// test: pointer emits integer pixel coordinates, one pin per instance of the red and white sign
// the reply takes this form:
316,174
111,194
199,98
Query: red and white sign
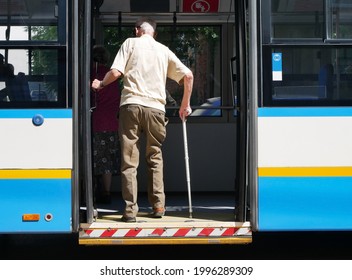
200,6
165,232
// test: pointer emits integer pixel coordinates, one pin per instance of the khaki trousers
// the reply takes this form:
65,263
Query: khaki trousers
135,120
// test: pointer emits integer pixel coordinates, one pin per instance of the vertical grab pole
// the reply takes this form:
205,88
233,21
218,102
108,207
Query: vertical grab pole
187,166
87,133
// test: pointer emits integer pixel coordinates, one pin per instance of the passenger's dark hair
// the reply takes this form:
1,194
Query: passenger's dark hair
100,54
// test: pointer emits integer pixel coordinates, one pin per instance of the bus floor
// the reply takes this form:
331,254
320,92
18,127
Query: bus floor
199,208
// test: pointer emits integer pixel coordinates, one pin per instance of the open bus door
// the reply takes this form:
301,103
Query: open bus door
101,226
241,191
36,133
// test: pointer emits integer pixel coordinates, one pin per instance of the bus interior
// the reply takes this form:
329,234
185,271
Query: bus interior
206,43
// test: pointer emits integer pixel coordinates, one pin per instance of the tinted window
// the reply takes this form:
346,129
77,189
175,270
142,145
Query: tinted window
297,19
311,74
26,18
32,70
339,20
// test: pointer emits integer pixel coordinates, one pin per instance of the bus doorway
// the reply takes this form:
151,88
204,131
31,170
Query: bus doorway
207,42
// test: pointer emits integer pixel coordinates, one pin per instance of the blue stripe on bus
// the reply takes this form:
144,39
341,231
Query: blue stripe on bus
24,113
35,196
305,112
291,203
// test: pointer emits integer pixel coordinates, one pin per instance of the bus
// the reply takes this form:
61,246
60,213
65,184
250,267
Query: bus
268,142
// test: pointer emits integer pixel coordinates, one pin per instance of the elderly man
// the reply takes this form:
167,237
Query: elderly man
145,64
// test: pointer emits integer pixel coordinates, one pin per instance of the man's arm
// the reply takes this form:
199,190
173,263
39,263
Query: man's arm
110,77
185,109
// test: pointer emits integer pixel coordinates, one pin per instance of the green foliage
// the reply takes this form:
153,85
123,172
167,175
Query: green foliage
45,62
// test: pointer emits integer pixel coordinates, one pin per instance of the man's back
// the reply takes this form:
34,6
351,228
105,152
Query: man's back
146,64
146,67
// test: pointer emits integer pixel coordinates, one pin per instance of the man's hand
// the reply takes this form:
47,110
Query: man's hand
96,84
184,112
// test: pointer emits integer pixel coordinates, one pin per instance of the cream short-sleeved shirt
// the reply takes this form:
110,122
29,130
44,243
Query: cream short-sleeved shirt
145,64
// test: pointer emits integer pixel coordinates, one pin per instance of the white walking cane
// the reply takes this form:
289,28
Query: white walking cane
187,166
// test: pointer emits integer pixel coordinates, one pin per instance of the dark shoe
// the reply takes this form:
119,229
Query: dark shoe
158,212
128,219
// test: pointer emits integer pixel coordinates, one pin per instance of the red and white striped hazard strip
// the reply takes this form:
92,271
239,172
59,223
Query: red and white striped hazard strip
165,232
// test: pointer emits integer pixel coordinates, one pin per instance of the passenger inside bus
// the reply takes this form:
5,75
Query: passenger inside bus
4,73
106,144
17,88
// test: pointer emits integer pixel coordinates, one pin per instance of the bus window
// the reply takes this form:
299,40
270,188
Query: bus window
314,69
297,19
310,76
24,19
34,79
34,54
339,21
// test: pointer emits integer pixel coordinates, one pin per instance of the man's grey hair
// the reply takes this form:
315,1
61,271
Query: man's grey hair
147,24
147,28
